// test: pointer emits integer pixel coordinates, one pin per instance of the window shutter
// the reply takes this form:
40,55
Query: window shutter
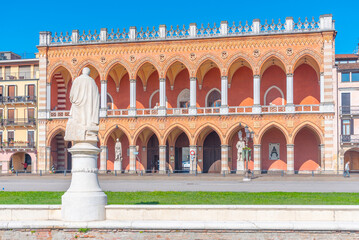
351,127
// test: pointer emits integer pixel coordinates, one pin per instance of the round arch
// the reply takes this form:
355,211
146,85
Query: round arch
271,125
272,58
111,130
88,63
151,128
311,126
208,93
53,133
203,127
113,63
268,90
181,127
53,69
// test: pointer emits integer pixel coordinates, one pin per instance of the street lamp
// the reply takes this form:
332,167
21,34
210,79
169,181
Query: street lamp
247,152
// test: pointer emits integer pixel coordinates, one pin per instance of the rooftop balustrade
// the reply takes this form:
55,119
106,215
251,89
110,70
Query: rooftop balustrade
223,29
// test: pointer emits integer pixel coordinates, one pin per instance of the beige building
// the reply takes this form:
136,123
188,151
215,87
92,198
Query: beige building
18,104
348,109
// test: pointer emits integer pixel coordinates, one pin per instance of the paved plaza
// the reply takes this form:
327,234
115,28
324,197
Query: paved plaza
208,182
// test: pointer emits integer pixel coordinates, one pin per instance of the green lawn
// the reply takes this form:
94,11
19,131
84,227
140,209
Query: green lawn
226,198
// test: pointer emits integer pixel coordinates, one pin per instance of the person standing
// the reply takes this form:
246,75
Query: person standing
25,166
346,170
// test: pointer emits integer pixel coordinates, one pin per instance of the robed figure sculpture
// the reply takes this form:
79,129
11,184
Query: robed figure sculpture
84,114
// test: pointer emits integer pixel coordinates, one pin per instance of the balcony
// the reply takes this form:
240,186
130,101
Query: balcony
349,110
17,99
17,145
349,139
18,122
237,110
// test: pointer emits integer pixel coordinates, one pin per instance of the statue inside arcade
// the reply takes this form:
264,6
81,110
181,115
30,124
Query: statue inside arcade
241,144
84,114
118,155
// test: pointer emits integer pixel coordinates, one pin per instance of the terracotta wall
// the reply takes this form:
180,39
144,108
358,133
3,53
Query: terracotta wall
273,135
306,151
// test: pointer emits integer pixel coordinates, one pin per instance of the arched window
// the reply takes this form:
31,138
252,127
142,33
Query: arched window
213,98
274,96
109,101
183,99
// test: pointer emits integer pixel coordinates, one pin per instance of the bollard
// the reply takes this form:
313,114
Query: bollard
64,172
252,174
282,174
195,173
141,173
168,174
312,173
115,172
16,172
224,174
40,173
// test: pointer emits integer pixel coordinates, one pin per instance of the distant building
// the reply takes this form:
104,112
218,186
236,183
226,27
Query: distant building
348,108
18,111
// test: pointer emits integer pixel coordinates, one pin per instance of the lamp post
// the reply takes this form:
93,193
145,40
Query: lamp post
247,152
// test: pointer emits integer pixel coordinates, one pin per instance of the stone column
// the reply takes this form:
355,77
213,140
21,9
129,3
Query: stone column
193,160
48,99
290,106
48,159
193,96
162,155
103,108
132,111
256,94
162,107
5,167
103,159
321,87
322,154
132,159
290,158
224,159
224,95
257,158
84,200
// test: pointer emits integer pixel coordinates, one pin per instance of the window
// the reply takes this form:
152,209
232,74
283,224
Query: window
30,139
355,77
11,93
10,138
31,115
8,73
30,92
345,103
24,72
345,77
11,116
1,138
36,71
1,93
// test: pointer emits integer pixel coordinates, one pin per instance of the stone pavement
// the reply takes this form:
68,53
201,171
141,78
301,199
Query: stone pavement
183,182
42,234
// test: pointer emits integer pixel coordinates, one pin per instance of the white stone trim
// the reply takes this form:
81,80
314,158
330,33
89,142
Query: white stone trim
209,92
152,95
270,88
181,96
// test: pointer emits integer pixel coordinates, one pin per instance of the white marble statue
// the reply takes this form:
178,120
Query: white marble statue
118,155
84,114
240,160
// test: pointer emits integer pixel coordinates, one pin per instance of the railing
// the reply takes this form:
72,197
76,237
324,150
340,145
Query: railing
240,110
18,122
60,114
17,99
177,111
117,112
307,108
350,138
192,31
208,111
147,112
17,145
273,109
349,110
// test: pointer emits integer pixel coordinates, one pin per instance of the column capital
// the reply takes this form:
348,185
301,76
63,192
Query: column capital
162,79
103,81
224,77
256,145
256,76
321,73
192,146
290,74
162,146
290,145
132,80
224,145
193,79
103,147
48,83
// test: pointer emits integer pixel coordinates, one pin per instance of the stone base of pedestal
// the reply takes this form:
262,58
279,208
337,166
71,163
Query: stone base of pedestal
240,172
117,166
84,206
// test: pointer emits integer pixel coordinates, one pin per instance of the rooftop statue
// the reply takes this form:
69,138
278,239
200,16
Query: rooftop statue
84,114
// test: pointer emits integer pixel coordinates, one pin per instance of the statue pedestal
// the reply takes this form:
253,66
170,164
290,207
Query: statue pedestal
117,166
84,200
240,167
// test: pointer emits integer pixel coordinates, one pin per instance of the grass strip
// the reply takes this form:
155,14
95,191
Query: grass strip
199,198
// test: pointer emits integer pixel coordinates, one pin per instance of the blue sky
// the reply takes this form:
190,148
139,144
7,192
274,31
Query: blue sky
21,21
